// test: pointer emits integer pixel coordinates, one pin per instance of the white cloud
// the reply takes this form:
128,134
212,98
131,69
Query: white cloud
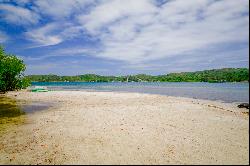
112,10
44,36
53,33
74,52
3,37
18,15
139,31
134,31
19,2
59,9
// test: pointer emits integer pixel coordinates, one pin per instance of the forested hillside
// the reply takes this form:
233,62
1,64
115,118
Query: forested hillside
215,75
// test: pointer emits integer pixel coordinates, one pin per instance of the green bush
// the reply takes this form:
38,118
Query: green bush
11,73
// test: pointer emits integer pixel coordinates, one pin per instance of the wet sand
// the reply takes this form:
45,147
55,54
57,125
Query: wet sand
127,128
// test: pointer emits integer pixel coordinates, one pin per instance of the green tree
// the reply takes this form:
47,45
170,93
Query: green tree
11,73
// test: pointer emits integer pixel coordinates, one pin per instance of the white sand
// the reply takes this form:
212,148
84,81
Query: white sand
127,128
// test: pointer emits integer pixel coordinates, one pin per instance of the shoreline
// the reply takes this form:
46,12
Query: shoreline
140,82
127,128
232,104
216,92
147,93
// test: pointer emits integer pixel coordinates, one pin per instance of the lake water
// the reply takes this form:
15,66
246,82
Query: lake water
226,92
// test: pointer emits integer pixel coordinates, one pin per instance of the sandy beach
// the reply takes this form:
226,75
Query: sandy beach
126,128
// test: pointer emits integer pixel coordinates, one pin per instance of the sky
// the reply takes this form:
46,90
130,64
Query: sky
120,37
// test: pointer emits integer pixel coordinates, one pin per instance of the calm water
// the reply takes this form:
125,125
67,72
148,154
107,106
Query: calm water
10,107
227,92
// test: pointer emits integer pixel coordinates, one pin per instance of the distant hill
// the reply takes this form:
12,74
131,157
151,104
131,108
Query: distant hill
215,75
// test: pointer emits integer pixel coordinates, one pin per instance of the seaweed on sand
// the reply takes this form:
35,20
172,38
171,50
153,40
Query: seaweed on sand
10,113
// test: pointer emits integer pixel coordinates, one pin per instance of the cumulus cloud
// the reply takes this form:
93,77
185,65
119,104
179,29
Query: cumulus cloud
18,15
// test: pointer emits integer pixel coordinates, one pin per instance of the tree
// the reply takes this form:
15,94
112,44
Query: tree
11,73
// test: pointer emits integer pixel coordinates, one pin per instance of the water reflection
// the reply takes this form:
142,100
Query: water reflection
9,108
35,107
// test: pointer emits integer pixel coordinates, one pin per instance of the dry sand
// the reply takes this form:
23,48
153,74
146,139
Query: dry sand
127,128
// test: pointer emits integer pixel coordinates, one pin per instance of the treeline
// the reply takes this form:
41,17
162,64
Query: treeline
215,75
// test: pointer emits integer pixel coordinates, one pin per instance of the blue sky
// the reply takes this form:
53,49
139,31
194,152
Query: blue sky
118,37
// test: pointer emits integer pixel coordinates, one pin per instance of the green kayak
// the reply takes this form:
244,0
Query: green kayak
39,90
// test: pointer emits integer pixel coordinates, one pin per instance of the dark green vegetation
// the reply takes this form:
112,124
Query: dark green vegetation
10,113
215,75
9,108
11,72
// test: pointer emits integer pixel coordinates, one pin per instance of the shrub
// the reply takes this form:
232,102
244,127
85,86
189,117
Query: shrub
11,72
